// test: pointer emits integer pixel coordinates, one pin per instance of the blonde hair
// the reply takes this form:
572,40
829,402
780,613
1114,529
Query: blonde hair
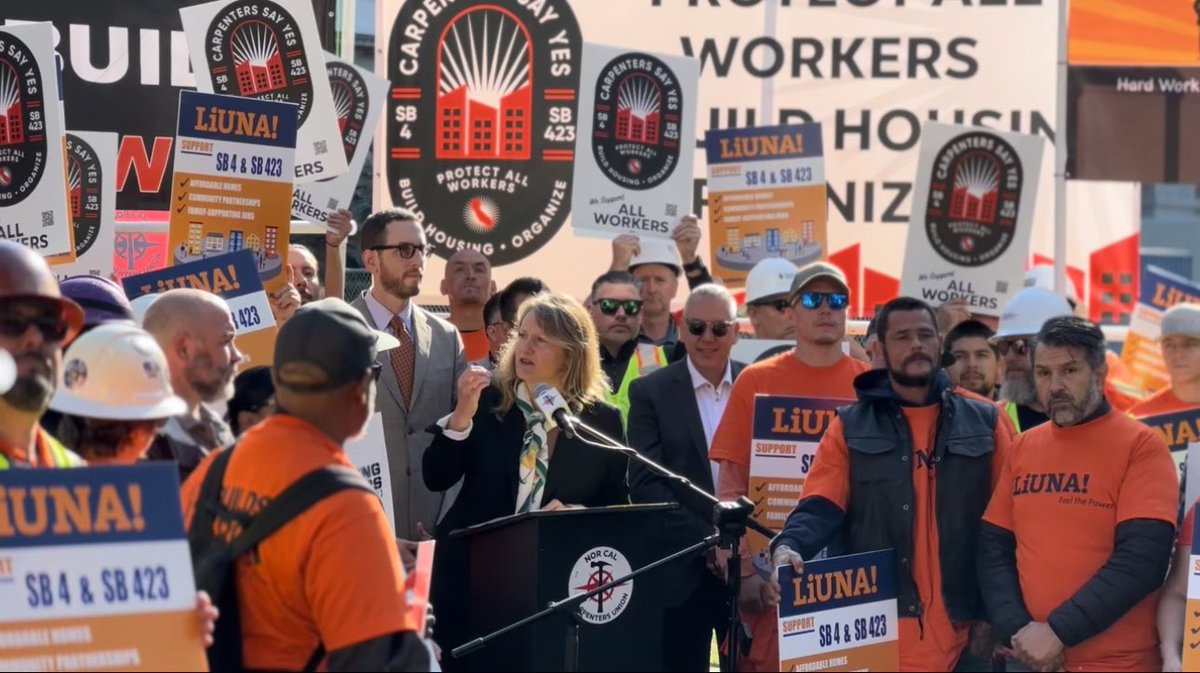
568,326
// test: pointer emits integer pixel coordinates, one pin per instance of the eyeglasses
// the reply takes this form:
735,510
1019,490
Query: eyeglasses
51,328
1018,346
609,306
780,305
812,300
719,328
407,250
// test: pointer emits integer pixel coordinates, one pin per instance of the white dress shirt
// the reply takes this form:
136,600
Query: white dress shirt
383,317
711,400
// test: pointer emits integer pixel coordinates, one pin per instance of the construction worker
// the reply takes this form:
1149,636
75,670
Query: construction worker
1021,319
768,289
615,304
1180,344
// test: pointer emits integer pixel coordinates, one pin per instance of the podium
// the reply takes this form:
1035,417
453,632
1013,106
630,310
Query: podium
519,564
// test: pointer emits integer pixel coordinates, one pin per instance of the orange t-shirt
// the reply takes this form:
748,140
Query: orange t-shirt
934,643
1162,402
1063,492
475,345
330,576
779,375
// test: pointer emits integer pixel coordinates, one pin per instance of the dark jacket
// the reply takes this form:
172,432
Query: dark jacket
879,512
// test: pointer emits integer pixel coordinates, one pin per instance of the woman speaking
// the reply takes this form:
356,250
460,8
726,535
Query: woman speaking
509,454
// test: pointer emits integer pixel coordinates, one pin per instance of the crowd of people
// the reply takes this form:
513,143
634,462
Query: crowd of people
1034,519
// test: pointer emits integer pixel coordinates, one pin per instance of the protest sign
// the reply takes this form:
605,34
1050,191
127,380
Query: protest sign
92,203
269,50
417,585
369,455
1159,291
785,436
358,98
95,571
1179,428
232,277
138,251
840,614
1191,623
33,198
971,224
633,147
232,185
766,197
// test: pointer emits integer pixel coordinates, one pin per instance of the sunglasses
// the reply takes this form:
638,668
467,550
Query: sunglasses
51,328
407,250
719,328
780,305
1018,346
812,300
609,306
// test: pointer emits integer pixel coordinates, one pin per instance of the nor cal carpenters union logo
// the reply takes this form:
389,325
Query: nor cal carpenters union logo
23,141
254,49
636,121
594,569
974,198
481,122
85,175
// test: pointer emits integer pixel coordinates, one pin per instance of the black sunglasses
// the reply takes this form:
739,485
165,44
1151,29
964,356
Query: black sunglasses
51,328
813,300
1018,346
610,306
407,250
719,327
780,305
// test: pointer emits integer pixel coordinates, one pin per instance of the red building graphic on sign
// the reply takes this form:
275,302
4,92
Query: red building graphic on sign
638,110
12,127
272,240
75,184
485,87
257,63
976,189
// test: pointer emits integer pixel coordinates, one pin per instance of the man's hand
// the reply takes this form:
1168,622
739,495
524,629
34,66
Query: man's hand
687,235
206,617
285,300
338,228
981,642
1038,647
624,248
756,594
950,314
784,555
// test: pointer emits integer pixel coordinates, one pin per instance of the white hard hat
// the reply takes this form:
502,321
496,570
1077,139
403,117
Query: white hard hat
140,306
8,372
657,251
1029,309
1042,275
116,372
770,277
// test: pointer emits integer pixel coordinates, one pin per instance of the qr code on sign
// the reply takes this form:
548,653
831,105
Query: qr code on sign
47,218
319,147
1002,286
672,210
332,205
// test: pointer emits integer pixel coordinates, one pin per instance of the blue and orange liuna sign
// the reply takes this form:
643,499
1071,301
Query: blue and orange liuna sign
95,571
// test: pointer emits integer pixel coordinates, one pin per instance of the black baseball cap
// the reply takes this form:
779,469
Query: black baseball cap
326,344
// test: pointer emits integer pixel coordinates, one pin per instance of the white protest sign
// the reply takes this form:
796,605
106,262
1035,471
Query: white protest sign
92,202
971,223
634,143
270,50
369,455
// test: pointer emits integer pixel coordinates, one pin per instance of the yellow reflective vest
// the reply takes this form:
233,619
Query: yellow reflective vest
62,455
646,359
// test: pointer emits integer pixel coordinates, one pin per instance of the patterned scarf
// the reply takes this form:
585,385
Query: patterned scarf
535,454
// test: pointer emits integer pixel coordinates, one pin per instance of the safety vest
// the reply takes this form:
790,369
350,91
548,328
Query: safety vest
62,455
646,359
1010,408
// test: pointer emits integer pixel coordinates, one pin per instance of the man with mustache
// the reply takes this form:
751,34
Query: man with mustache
195,330
35,322
615,304
974,361
1022,317
909,467
1092,497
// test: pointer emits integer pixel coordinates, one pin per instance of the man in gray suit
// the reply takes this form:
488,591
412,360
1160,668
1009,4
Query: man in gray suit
418,377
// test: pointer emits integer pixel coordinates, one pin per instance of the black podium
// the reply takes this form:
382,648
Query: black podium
520,563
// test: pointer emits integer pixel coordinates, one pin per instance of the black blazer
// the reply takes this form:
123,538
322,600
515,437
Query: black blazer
487,462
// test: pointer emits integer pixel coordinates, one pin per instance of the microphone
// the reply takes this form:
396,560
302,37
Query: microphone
550,401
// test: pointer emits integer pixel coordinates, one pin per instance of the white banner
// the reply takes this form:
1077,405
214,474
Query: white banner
358,98
369,455
92,200
270,50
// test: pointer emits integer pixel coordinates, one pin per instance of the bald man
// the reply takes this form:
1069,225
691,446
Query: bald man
35,322
195,330
467,286
306,271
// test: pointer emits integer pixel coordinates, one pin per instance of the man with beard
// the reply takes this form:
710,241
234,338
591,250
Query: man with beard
974,361
467,286
35,321
419,376
1022,318
1092,497
306,273
616,307
909,467
195,330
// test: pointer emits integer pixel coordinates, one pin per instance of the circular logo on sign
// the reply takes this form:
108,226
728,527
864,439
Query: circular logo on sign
350,103
481,124
974,198
595,568
254,49
84,177
74,374
23,142
636,124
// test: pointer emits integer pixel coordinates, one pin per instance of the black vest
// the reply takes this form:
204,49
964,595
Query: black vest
880,510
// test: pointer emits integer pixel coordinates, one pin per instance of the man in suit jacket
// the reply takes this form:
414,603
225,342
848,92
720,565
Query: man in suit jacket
673,415
418,378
